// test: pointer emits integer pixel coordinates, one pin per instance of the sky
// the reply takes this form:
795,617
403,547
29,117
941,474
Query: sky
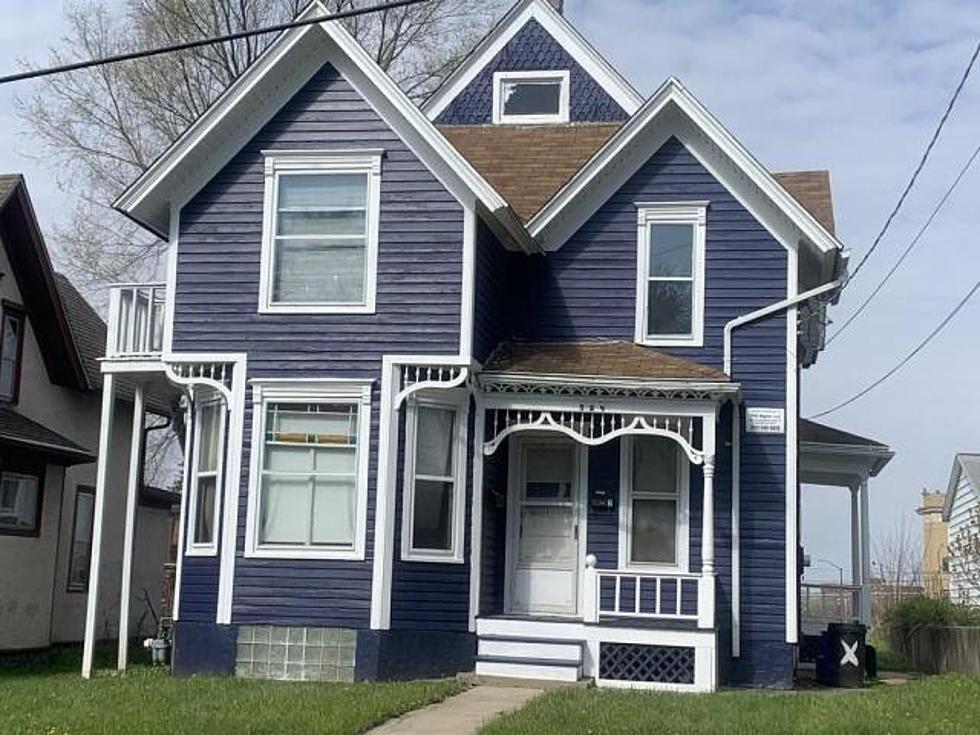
853,87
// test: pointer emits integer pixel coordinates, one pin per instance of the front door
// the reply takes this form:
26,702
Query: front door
543,519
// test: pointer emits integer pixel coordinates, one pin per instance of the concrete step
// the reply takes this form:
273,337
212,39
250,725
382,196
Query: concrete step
520,668
531,648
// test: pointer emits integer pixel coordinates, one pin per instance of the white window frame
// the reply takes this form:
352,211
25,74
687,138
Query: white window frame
683,523
277,163
211,548
670,213
456,401
308,391
502,77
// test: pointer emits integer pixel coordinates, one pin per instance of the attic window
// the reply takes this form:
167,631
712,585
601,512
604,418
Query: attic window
530,97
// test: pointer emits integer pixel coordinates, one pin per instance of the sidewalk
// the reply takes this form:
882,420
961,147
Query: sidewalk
460,715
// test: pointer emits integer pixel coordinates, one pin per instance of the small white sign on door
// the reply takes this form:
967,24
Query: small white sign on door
765,421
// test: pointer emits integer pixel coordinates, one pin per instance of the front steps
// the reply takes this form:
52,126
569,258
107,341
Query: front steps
506,650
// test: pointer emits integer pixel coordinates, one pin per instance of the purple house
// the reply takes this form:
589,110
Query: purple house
505,383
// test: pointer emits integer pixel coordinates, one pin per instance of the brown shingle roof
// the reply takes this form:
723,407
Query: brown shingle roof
600,358
528,164
812,190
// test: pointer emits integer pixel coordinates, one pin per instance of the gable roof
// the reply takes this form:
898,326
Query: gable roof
673,111
23,433
812,190
967,463
252,99
28,256
561,30
87,328
811,432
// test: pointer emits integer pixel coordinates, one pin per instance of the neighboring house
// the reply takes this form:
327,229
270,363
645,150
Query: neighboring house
49,427
935,544
962,516
509,382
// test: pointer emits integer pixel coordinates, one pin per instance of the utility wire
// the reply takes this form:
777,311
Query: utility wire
907,358
37,73
919,167
911,246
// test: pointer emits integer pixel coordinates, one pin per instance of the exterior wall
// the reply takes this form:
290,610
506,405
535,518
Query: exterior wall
418,311
499,291
533,49
35,607
964,502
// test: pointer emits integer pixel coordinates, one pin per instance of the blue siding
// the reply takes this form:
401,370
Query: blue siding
533,49
603,525
499,275
493,560
419,296
198,589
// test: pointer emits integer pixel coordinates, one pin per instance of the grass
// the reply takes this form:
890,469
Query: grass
888,659
52,699
941,704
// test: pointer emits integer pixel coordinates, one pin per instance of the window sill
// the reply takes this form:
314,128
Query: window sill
201,551
302,552
533,120
417,557
314,309
667,570
696,341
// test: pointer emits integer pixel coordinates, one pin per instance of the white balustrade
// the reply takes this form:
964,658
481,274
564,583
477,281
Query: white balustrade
618,593
136,320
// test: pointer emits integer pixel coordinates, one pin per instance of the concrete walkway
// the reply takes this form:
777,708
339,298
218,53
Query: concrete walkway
460,715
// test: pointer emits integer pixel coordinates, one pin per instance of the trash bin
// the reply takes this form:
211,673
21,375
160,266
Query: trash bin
841,660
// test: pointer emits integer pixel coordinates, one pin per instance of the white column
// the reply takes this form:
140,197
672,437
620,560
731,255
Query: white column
736,530
708,517
476,511
590,585
855,537
132,496
865,555
189,428
105,430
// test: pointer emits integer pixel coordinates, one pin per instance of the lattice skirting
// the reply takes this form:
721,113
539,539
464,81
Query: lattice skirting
647,664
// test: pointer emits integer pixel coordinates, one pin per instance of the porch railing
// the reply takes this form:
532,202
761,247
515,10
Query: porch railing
823,603
617,593
136,314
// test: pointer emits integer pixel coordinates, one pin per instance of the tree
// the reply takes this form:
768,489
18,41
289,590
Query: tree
897,565
100,128
964,560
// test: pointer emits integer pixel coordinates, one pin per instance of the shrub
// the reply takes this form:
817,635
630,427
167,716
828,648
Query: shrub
917,611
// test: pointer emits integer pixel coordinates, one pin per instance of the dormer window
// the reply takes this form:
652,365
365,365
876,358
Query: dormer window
530,97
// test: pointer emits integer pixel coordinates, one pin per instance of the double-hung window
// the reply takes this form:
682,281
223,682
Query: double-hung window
530,97
320,242
11,352
654,507
205,500
81,539
433,499
20,503
670,274
308,494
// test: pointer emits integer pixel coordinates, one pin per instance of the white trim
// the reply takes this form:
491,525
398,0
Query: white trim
170,294
312,391
467,306
682,564
455,554
638,135
312,162
476,511
736,529
206,549
129,529
558,28
792,458
560,77
649,214
185,481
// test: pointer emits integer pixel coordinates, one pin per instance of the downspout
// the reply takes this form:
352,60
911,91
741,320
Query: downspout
769,311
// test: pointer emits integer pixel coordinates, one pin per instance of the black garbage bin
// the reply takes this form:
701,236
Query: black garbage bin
841,659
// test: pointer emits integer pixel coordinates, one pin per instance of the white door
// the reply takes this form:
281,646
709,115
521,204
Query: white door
544,528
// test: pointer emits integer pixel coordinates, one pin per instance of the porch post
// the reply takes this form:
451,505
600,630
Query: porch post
132,493
95,564
865,616
706,585
590,584
856,579
476,511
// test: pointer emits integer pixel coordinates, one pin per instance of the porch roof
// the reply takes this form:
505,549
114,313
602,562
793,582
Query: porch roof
831,456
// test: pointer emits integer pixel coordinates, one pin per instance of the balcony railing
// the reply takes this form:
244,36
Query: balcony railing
616,593
821,604
136,314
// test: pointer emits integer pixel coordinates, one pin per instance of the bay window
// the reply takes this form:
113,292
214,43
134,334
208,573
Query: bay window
308,492
670,274
433,489
654,503
321,232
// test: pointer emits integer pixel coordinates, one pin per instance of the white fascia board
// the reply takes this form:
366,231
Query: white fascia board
672,94
954,483
584,53
214,138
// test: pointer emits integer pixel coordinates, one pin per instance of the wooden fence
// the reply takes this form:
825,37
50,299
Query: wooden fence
936,649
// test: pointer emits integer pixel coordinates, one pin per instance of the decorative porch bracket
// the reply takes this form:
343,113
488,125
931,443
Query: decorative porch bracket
592,428
219,376
415,378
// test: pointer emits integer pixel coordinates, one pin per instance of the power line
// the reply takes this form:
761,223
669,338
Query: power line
37,73
907,358
919,167
915,240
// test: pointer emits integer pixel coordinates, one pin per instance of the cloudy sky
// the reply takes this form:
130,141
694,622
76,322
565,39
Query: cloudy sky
856,87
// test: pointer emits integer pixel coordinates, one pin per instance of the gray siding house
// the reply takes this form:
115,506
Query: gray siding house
50,417
507,382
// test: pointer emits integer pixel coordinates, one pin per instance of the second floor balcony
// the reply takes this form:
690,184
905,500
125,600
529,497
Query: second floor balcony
136,321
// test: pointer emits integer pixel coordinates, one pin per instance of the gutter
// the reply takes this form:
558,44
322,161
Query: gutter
770,310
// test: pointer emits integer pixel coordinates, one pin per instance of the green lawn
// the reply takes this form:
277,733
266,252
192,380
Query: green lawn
940,704
54,700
